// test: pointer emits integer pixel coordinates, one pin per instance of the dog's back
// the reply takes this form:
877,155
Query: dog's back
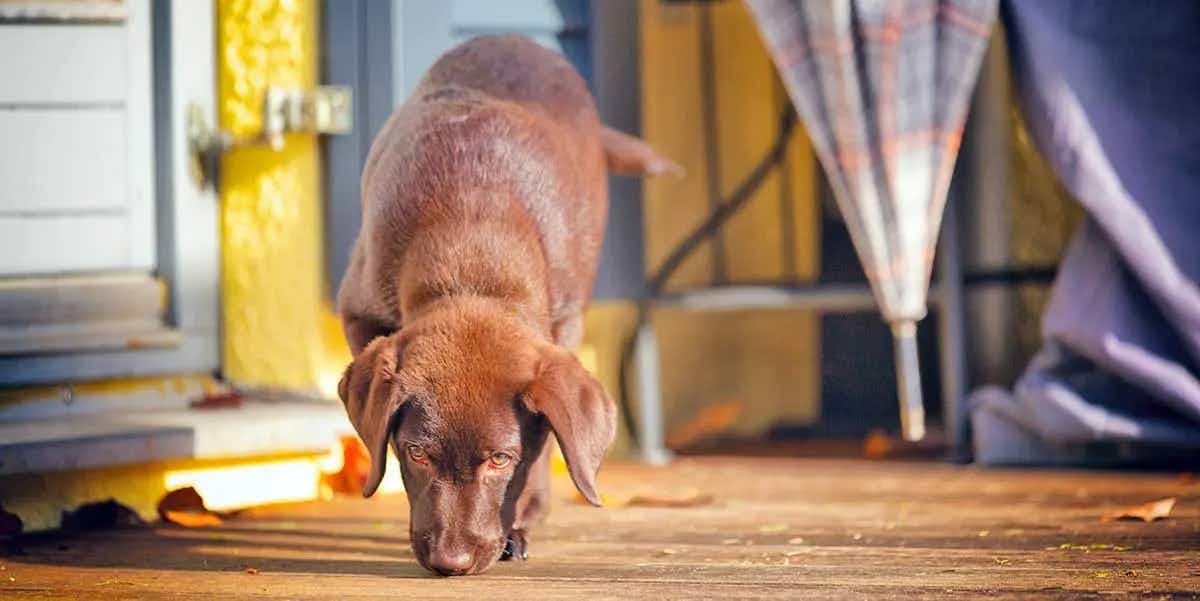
499,130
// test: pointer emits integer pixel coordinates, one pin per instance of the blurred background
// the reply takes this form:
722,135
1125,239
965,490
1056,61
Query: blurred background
179,196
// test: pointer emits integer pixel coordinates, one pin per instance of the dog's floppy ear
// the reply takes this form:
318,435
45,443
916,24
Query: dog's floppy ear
373,397
581,415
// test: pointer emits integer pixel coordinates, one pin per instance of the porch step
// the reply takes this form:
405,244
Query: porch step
256,428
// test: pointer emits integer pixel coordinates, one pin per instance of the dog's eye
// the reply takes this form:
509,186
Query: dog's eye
417,454
500,460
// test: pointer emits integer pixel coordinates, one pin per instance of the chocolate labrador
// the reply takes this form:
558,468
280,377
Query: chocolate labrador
483,208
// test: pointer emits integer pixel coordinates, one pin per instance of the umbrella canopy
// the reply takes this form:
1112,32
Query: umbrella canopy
883,88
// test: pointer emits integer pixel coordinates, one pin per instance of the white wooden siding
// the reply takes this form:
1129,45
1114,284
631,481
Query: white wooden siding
62,64
37,245
76,146
85,147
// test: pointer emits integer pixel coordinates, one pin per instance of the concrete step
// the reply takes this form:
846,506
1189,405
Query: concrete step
255,428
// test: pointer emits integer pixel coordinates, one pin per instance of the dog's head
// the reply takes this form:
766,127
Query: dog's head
467,403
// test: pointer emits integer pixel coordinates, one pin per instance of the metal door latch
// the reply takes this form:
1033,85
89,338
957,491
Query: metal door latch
321,110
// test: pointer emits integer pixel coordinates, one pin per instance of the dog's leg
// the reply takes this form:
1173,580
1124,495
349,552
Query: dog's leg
532,505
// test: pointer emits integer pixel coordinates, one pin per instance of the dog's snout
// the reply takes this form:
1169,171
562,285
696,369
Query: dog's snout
451,562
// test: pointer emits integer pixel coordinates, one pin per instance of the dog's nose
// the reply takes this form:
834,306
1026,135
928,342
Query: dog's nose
451,563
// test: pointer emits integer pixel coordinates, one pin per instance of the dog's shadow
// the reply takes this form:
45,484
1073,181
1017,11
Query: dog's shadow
301,549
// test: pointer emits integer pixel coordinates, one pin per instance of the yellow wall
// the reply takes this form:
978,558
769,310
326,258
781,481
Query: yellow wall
766,360
278,329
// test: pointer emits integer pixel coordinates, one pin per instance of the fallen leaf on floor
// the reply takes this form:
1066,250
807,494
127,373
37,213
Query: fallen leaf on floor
876,444
1147,512
251,570
1101,574
772,528
188,519
101,515
185,507
686,498
709,421
1002,561
10,523
356,463
677,499
218,399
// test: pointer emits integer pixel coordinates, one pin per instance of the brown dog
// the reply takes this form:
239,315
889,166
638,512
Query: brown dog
484,199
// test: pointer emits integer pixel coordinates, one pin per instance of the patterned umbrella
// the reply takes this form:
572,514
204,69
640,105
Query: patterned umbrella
883,87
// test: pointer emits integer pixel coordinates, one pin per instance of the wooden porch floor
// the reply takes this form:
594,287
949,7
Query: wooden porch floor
777,528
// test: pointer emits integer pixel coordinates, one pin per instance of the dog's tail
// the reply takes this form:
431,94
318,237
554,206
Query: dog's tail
627,155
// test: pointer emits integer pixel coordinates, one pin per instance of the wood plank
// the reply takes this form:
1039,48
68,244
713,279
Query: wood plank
747,119
779,528
62,64
49,245
672,121
63,162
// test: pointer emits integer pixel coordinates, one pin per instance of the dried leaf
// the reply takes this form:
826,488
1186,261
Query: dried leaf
222,399
676,499
251,570
185,507
10,523
189,519
99,516
356,464
1147,512
876,444
691,498
711,420
606,499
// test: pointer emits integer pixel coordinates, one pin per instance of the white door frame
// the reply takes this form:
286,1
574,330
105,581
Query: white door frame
187,241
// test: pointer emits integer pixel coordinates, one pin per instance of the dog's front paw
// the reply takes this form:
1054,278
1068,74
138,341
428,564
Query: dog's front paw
515,547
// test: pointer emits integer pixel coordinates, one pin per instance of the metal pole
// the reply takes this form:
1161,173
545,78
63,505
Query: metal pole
650,433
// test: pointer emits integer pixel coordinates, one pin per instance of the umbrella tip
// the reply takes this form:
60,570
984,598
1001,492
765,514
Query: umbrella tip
908,379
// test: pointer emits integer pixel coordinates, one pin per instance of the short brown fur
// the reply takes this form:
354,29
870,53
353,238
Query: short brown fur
484,200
